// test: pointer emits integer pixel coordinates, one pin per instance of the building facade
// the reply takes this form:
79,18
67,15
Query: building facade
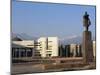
75,50
47,47
67,49
43,47
22,49
71,50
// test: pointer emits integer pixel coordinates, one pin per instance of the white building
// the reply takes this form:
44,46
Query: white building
52,46
73,49
47,47
25,43
42,46
22,49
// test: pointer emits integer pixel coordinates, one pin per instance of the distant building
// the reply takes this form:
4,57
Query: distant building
52,48
41,47
62,51
22,49
44,47
67,50
47,47
79,51
75,50
71,50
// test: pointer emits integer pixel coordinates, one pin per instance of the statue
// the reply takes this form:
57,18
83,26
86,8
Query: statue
86,21
87,48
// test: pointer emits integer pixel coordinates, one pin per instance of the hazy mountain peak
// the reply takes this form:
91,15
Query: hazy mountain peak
23,36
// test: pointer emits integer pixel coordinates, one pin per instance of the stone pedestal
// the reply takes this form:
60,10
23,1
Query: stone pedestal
87,47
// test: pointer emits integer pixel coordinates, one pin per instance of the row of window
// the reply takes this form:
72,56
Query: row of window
21,53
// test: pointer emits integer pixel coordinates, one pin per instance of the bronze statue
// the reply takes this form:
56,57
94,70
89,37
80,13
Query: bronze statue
86,21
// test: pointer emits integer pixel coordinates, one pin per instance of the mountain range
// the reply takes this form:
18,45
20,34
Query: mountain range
72,40
24,36
67,40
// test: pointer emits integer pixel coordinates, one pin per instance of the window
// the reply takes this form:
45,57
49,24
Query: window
29,52
16,53
49,41
23,53
30,45
50,47
48,55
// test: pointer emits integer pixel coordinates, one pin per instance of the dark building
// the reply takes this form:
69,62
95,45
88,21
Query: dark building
19,51
64,51
78,51
61,51
67,49
72,50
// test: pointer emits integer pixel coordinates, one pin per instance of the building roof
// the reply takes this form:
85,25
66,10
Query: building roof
17,46
25,43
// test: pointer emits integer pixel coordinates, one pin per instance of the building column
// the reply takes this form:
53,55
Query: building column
19,51
26,53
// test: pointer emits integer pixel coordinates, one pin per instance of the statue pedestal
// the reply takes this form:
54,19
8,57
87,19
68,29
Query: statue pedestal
87,47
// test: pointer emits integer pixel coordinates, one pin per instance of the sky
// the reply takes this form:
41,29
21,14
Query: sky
50,19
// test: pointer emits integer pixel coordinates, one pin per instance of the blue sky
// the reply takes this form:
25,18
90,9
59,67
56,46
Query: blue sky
49,19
